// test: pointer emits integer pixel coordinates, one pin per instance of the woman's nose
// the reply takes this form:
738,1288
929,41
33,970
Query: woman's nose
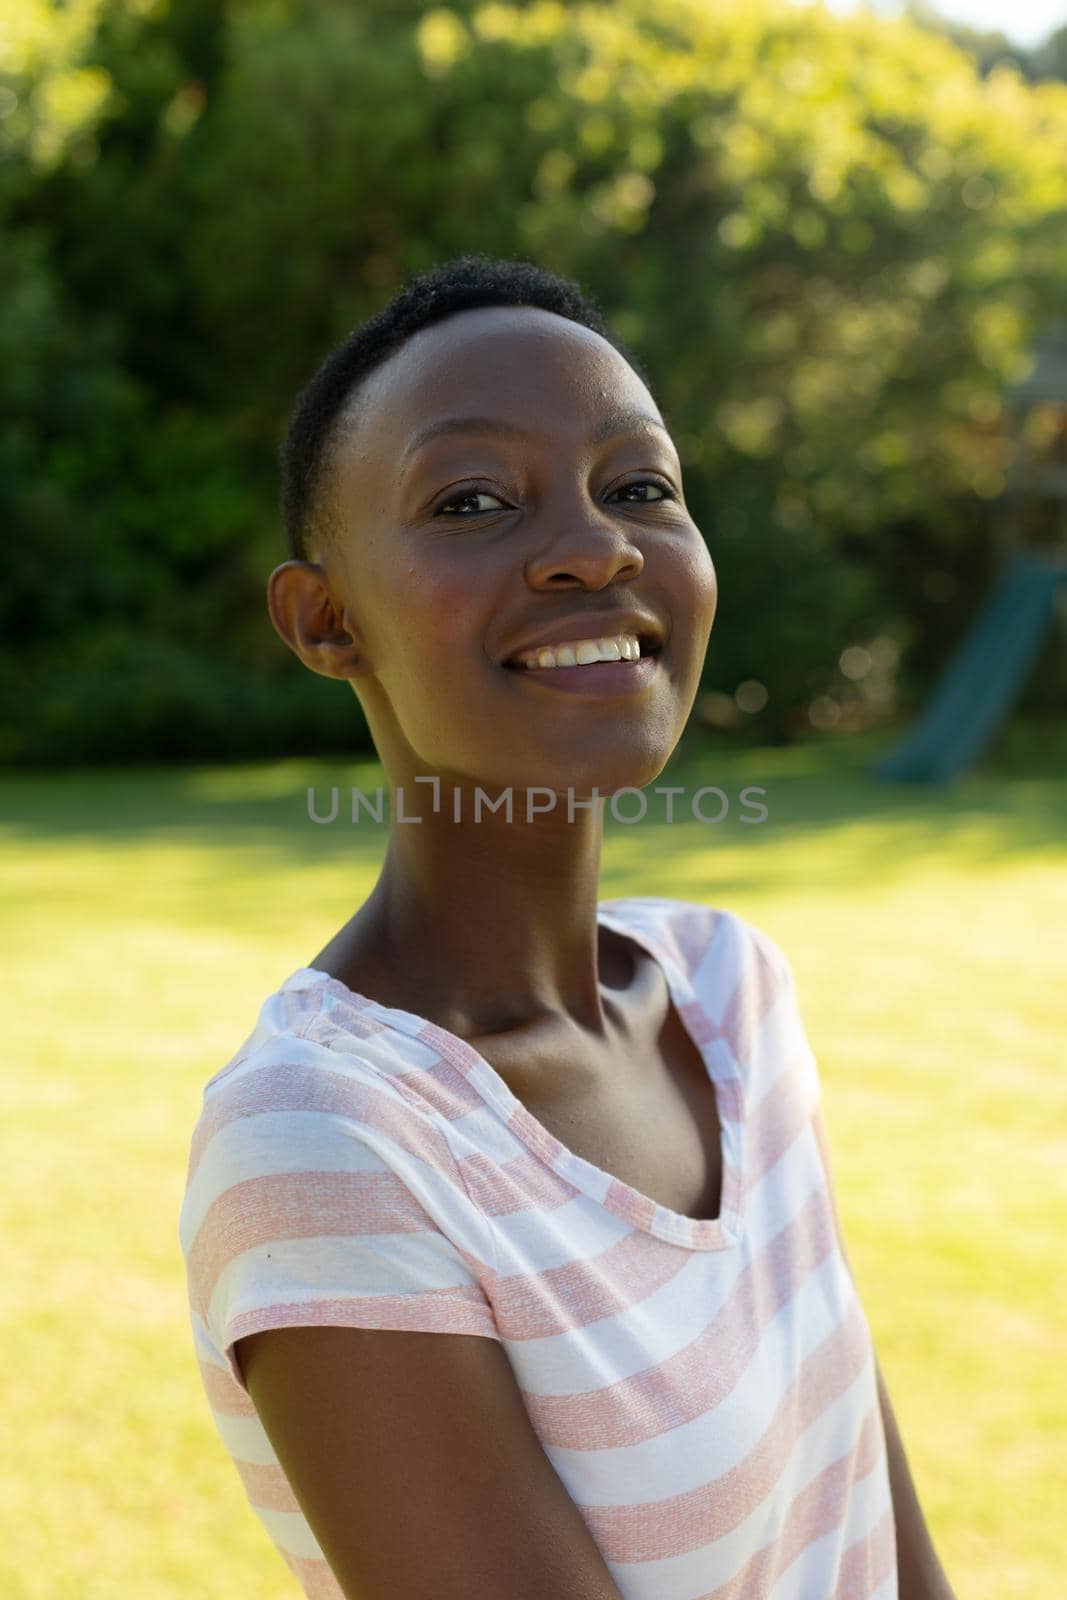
586,552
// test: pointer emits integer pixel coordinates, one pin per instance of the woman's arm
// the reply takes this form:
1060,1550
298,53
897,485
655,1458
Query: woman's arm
920,1575
415,1463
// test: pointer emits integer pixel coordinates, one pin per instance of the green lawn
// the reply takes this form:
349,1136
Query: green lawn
150,912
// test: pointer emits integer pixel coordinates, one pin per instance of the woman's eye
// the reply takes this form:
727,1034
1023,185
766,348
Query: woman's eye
445,506
648,483
469,494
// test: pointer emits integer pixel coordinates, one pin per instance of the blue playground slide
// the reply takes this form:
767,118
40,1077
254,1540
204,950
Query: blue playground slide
983,679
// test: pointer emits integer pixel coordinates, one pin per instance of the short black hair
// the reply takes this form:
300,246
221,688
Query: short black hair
466,281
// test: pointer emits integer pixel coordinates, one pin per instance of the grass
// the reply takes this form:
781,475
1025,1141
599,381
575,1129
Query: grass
150,912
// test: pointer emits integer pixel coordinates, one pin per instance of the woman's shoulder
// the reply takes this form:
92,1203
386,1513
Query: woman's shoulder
282,1018
318,1048
317,1089
699,936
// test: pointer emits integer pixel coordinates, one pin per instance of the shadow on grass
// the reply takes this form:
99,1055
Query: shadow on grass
818,792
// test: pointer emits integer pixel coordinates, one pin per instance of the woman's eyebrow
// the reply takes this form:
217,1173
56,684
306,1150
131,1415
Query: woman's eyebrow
619,422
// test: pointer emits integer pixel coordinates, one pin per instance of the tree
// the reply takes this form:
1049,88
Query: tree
830,240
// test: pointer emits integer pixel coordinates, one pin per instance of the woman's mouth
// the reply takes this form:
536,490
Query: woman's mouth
617,664
580,653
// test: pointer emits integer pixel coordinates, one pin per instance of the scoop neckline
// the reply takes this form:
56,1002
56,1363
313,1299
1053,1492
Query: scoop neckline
620,1198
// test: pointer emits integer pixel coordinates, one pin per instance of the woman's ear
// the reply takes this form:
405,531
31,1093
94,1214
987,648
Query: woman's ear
315,626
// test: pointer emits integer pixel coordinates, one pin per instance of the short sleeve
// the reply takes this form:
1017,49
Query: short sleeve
318,1195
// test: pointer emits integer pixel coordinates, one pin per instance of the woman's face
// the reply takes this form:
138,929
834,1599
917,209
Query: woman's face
558,522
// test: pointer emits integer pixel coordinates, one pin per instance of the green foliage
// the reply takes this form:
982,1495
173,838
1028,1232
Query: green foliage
831,240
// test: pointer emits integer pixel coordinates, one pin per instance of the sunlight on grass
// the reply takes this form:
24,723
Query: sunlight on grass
150,913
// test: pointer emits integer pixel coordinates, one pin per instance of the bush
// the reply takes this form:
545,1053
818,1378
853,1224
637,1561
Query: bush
829,239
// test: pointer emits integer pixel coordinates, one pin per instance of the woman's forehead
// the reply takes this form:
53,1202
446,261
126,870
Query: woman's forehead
513,366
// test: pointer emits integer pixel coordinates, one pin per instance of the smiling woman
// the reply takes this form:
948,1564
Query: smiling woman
513,1262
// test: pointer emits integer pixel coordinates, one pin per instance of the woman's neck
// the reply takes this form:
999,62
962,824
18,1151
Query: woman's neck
485,925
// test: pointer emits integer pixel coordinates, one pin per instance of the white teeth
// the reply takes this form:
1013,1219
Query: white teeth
582,652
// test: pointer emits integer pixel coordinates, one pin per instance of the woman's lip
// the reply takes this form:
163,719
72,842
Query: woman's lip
598,678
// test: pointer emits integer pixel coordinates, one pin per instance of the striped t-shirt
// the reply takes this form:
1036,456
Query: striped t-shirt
705,1390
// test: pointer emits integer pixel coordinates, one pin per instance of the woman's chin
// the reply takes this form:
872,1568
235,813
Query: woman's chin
580,779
